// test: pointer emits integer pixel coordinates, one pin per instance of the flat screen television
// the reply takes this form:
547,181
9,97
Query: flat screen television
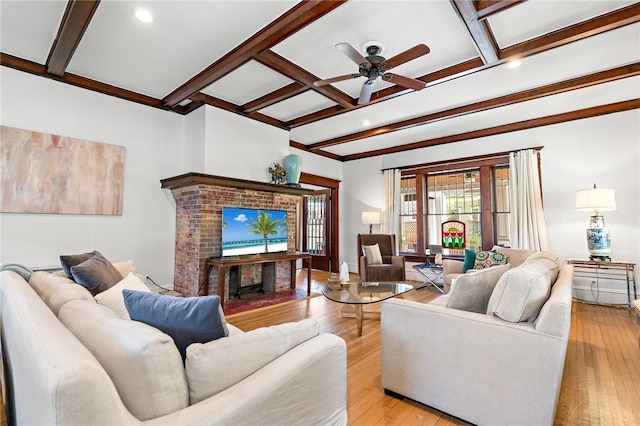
253,231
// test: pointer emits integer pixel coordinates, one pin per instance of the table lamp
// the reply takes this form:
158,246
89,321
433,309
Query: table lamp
371,218
598,239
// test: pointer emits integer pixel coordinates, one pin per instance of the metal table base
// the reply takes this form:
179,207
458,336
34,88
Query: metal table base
432,272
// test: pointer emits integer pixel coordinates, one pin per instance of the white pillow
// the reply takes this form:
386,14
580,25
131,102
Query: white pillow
214,366
471,291
521,292
113,298
373,255
124,267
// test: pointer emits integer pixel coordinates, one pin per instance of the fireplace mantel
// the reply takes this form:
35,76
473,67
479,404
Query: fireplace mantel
192,178
200,199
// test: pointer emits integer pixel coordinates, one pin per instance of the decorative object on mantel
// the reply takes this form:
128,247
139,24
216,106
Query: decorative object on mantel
293,165
598,238
43,173
371,218
278,174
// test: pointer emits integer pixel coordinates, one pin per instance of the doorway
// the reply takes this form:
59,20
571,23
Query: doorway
320,222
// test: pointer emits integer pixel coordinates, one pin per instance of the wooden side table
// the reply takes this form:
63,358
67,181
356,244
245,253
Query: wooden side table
609,270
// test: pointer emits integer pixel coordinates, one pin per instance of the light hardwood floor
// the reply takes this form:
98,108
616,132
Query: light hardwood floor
600,386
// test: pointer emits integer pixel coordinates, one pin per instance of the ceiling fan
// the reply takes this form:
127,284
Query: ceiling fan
373,66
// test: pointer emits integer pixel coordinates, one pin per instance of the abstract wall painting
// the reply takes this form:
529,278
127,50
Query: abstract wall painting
43,173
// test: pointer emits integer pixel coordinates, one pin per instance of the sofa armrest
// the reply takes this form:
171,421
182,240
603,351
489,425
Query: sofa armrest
399,261
488,371
280,392
362,271
452,266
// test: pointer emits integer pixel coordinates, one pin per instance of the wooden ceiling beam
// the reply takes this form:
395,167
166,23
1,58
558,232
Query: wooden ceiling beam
75,21
79,81
274,97
228,106
478,29
294,72
506,128
607,22
487,8
601,77
296,18
303,147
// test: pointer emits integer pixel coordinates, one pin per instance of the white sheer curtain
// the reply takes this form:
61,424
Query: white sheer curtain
390,215
528,228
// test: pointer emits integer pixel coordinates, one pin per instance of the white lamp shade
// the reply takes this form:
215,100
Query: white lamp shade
596,199
371,218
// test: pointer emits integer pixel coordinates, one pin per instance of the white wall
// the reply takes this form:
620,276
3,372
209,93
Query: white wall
241,148
145,232
603,150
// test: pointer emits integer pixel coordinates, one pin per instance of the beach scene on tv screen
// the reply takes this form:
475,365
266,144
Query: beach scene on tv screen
253,231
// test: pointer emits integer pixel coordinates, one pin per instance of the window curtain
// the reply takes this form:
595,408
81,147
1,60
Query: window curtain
528,228
390,215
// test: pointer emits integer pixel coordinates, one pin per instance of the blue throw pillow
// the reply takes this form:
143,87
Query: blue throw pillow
187,320
469,259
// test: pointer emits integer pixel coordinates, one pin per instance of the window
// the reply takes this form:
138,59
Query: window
473,191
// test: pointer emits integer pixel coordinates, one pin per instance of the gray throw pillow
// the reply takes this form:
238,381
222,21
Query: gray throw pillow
69,260
471,291
187,320
96,274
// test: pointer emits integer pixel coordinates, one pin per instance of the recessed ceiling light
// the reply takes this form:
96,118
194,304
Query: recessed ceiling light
514,63
365,123
143,16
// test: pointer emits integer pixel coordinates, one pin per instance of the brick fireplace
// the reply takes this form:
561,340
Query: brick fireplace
199,200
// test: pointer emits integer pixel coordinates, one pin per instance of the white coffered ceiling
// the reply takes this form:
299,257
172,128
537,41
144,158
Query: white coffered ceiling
260,58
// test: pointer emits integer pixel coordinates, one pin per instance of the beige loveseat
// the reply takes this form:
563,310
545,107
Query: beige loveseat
479,366
70,361
453,268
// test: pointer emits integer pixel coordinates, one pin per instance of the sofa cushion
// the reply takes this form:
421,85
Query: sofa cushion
521,292
143,362
56,290
125,267
373,255
471,291
113,298
97,274
214,366
514,256
487,259
187,320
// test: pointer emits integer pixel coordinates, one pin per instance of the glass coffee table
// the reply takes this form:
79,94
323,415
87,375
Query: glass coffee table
357,294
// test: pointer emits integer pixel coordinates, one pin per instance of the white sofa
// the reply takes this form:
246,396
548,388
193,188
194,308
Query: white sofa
50,377
477,366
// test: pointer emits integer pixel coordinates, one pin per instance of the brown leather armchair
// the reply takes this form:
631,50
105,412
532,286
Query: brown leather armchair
392,267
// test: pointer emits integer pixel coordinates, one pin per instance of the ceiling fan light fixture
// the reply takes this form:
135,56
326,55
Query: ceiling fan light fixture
143,16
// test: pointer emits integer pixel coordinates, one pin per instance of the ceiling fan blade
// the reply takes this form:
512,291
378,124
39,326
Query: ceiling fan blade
353,54
407,55
365,93
335,79
410,83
